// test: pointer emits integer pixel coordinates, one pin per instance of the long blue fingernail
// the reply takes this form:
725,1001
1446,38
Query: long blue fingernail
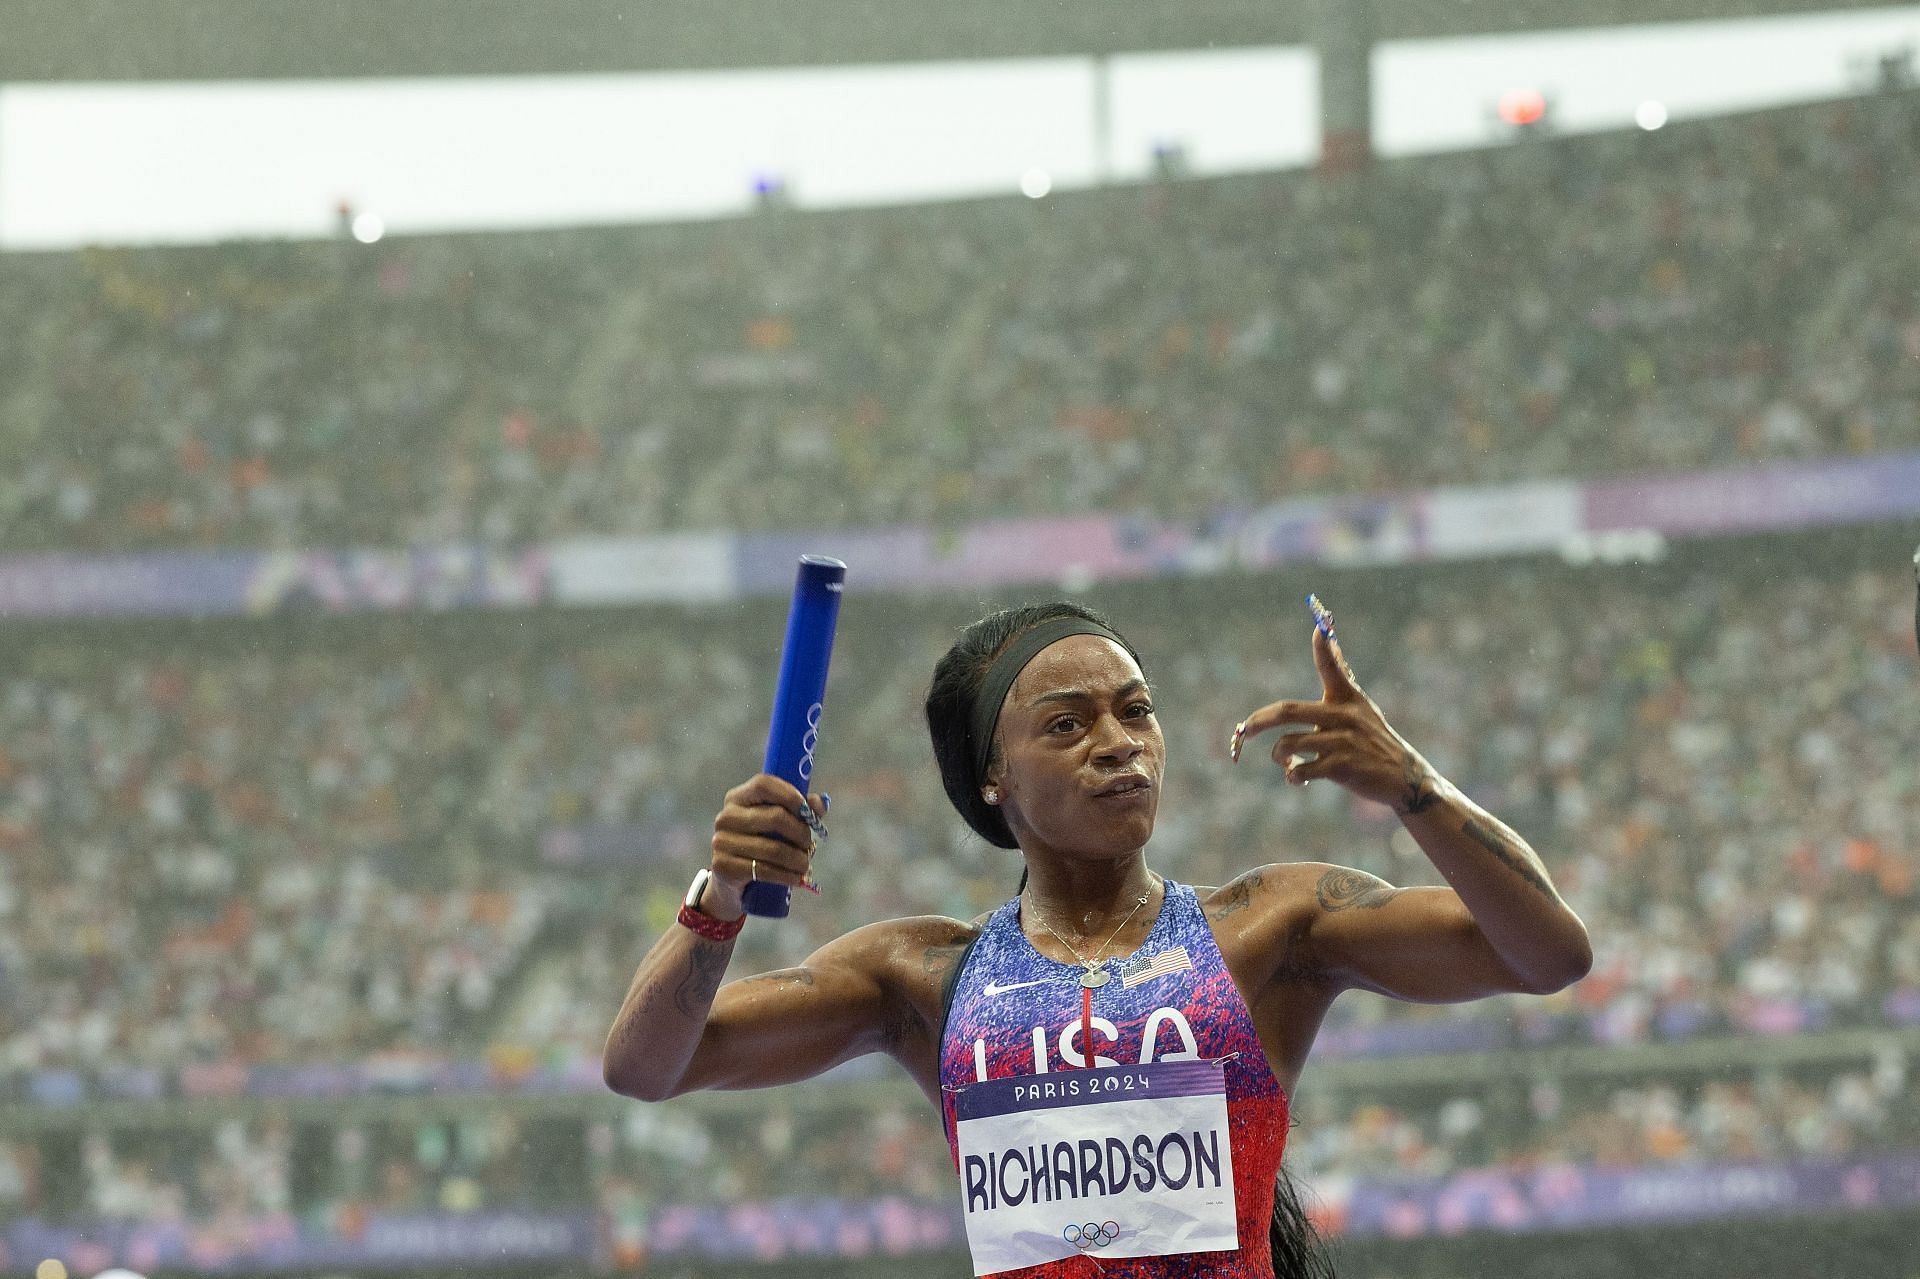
826,802
812,819
1322,615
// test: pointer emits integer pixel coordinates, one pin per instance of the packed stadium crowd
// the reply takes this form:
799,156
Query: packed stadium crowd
220,856
1722,290
247,859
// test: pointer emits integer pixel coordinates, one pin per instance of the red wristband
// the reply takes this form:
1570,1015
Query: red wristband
710,928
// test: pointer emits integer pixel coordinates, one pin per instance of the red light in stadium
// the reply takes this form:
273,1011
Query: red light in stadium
1521,107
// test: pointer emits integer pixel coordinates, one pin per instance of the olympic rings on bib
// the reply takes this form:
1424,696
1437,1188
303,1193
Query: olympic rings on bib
1094,1234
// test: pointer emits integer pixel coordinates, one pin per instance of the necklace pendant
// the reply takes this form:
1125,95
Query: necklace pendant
1095,978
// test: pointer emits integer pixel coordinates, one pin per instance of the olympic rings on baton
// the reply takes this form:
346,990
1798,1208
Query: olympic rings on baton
1094,1234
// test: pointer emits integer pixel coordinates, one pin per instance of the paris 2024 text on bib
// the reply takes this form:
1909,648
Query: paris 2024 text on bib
1127,1161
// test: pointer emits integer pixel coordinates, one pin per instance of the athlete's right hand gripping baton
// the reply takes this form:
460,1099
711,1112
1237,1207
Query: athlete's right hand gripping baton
800,697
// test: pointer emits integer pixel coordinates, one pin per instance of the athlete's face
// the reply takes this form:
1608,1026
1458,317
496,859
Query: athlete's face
1081,754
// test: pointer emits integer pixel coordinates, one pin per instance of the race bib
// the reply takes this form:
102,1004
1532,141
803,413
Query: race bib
1125,1161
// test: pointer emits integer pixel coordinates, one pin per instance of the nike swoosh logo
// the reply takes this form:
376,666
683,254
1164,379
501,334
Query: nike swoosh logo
991,990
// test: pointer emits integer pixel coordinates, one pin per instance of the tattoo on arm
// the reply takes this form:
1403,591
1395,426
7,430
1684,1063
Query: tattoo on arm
1341,889
938,961
941,966
1237,896
1295,964
1420,794
903,1020
1513,854
705,966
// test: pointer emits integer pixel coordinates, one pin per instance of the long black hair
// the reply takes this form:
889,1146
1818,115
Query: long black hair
1298,1250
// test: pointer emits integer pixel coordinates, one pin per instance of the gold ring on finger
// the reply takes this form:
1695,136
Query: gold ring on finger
753,870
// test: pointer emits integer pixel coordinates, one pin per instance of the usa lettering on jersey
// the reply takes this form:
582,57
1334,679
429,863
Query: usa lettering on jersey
1166,1035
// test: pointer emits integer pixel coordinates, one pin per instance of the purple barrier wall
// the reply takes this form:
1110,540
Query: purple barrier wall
1067,550
1550,1198
784,1229
1786,495
182,583
249,583
789,1228
270,1243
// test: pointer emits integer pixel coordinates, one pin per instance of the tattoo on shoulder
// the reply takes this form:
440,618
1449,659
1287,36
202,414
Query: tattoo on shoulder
937,961
1420,793
1236,897
904,1020
1514,855
706,965
1342,889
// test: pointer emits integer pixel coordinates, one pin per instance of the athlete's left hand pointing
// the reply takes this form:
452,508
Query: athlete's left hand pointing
1349,741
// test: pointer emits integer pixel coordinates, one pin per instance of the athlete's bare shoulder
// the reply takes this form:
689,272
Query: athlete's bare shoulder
1282,886
910,960
914,954
1260,916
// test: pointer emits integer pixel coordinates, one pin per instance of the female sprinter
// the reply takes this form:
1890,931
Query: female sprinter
1044,729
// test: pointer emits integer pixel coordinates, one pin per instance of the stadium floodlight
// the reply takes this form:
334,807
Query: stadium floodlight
1035,183
1650,115
368,228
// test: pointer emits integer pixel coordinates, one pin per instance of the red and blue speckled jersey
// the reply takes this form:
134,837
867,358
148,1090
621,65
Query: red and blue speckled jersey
1013,1011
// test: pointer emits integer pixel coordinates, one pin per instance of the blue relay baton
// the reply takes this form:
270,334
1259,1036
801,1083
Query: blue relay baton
800,697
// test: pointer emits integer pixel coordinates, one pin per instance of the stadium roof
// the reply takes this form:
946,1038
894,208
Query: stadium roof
283,39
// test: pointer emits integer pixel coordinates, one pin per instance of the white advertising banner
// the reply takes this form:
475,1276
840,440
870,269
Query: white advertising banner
1513,519
671,567
1125,1161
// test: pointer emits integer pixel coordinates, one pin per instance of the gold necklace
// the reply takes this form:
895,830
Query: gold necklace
1095,976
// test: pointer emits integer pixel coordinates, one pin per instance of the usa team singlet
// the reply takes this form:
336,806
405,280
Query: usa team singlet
1013,1012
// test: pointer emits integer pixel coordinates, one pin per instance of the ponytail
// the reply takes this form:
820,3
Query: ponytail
1298,1250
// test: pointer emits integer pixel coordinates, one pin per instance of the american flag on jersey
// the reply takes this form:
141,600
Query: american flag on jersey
1147,968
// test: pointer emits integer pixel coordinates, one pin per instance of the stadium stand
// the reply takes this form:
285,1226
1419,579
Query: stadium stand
1727,289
